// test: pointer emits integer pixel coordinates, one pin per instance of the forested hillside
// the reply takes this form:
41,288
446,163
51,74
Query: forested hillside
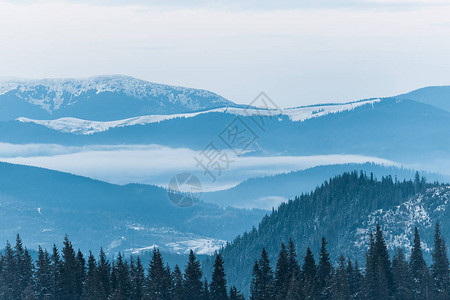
337,209
70,275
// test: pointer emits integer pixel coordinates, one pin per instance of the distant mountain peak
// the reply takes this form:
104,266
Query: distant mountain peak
105,97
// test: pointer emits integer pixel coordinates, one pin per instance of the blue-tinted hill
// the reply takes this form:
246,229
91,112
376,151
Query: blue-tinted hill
267,192
438,96
42,205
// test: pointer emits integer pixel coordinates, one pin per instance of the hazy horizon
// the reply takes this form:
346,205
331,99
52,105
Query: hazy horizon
299,53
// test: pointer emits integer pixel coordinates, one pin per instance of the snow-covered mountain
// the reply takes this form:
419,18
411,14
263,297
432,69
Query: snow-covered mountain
99,98
298,114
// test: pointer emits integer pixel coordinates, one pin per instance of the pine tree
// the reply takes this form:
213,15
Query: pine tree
309,275
235,294
57,280
266,276
402,277
24,273
122,279
355,279
421,279
282,276
192,284
324,272
178,292
70,268
205,292
43,279
90,289
294,290
156,277
28,293
104,275
168,283
9,284
383,265
341,286
440,266
293,267
137,280
80,273
371,274
218,286
256,291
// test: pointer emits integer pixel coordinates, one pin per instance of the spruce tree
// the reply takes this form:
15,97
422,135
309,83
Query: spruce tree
43,285
69,274
324,272
282,276
421,280
9,282
122,279
81,273
178,291
341,286
168,283
294,290
371,273
57,281
156,277
90,288
137,280
256,291
293,267
440,266
235,294
309,275
266,276
104,275
218,286
402,277
355,279
192,284
383,265
24,264
205,292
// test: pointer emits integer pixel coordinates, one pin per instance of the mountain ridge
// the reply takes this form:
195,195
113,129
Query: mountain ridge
115,97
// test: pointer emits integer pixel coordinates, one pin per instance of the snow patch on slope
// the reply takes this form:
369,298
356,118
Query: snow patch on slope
398,223
53,94
300,114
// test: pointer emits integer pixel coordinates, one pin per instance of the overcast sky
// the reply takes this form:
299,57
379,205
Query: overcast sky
298,52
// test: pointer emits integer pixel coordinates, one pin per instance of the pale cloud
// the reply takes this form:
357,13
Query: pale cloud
154,164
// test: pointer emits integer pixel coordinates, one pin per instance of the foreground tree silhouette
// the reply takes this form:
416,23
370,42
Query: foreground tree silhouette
126,278
266,274
402,277
178,291
324,272
158,278
218,286
440,266
282,275
256,290
309,275
192,284
69,274
421,280
43,284
235,294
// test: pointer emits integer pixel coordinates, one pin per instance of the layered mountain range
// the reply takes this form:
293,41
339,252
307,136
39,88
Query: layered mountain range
110,112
